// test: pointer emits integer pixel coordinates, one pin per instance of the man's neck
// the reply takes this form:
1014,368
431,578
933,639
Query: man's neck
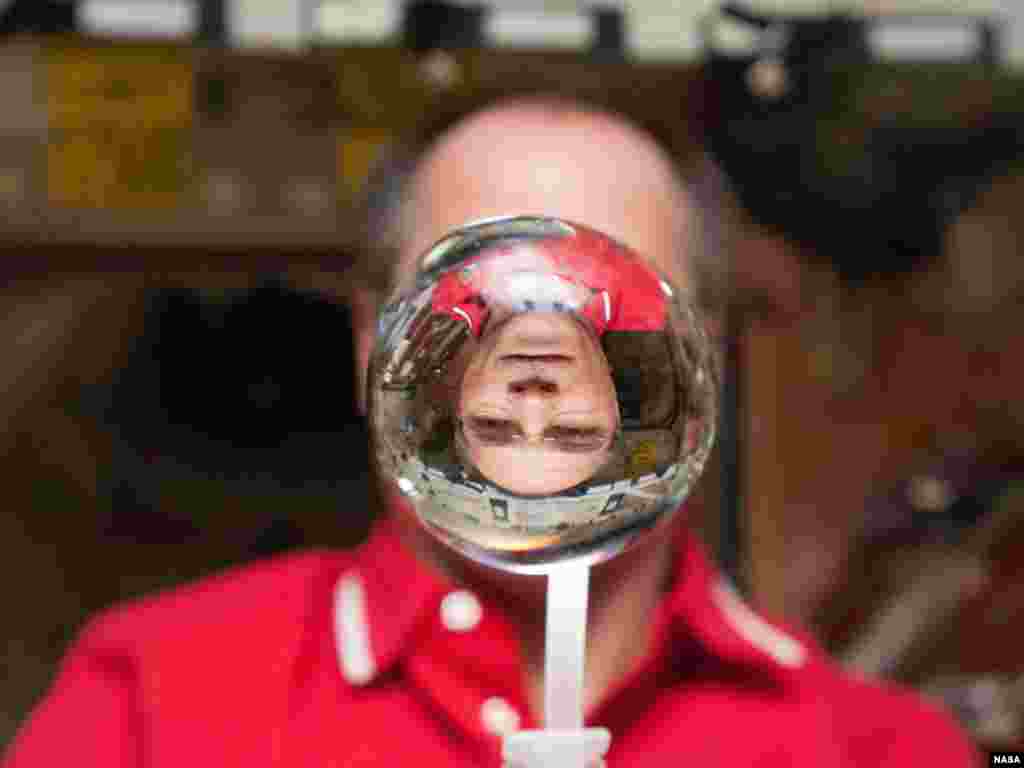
624,595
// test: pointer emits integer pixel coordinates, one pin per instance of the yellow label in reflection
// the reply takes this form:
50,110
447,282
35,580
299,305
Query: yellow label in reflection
643,457
120,122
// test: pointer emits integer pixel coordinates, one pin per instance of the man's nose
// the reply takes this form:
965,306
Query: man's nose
534,385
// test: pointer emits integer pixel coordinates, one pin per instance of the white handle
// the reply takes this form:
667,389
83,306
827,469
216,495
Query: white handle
553,749
564,743
565,647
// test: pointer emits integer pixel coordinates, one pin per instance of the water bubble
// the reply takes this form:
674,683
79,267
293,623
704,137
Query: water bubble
540,394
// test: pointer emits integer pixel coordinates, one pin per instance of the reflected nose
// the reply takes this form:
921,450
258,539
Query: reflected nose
534,385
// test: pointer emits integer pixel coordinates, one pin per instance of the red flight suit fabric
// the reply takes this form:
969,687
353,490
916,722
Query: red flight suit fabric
347,659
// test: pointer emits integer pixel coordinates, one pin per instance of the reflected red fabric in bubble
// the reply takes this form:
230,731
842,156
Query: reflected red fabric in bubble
627,295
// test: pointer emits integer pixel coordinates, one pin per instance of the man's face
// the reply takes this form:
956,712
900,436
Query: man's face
537,406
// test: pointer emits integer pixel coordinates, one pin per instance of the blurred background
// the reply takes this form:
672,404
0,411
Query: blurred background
178,188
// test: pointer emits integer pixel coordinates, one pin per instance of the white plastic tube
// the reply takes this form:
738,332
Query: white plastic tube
565,650
556,749
564,742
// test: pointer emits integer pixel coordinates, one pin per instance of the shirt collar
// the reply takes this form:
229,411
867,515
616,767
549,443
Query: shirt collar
378,603
704,604
387,593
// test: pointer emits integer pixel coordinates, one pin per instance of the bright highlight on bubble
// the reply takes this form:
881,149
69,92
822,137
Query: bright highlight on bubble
540,395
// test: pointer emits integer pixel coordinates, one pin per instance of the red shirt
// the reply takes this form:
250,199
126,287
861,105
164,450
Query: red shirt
625,294
367,658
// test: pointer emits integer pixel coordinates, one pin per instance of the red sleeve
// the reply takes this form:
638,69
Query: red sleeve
930,737
891,726
89,717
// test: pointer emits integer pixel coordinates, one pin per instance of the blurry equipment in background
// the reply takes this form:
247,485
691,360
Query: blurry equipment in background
599,29
934,590
430,25
862,139
116,142
58,337
106,500
815,124
294,103
205,21
254,391
36,16
213,22
163,145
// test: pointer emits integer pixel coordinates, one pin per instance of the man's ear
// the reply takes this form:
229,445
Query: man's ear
363,304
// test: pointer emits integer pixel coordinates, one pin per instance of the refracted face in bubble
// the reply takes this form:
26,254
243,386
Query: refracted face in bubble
537,406
540,394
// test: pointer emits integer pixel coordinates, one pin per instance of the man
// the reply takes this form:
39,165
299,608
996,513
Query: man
401,653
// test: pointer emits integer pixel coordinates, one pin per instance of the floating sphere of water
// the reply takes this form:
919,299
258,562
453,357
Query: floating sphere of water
540,395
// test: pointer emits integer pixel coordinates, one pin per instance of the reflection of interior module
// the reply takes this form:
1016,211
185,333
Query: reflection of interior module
425,343
478,503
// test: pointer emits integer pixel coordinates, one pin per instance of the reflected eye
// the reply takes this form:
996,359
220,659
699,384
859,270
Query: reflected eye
569,439
493,431
578,439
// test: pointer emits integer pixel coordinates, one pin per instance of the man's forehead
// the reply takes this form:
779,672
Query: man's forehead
527,158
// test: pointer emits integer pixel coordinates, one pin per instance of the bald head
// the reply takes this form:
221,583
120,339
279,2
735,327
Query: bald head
552,159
